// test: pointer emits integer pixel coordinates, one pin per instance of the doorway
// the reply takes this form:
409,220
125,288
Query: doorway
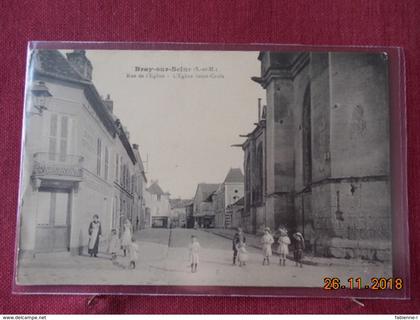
52,221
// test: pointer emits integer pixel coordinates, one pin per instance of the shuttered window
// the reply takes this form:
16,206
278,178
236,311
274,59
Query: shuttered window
64,137
58,142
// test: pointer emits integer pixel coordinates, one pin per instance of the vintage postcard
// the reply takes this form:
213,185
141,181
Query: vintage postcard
205,168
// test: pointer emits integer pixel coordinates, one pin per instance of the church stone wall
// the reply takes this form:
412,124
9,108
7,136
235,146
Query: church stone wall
345,211
360,115
320,116
280,136
360,153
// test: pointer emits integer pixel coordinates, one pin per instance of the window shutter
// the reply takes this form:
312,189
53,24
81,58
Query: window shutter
52,148
63,138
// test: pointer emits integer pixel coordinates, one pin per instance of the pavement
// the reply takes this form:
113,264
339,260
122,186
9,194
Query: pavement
164,260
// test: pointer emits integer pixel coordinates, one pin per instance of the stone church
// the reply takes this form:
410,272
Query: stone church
317,160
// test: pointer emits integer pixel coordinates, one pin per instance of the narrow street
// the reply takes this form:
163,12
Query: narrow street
164,260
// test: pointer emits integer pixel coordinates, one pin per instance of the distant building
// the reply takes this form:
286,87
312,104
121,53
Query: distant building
139,189
235,211
189,213
125,164
158,208
254,218
320,152
228,192
203,212
179,212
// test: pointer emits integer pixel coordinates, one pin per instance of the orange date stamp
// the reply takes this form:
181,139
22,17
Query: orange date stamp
374,283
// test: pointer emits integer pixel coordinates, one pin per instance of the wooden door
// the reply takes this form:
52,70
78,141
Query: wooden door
53,227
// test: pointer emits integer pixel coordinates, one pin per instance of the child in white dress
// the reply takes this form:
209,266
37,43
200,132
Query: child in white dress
126,236
283,249
266,241
242,254
133,250
114,245
194,253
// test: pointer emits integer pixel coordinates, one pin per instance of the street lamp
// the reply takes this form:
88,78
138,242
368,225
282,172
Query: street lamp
41,96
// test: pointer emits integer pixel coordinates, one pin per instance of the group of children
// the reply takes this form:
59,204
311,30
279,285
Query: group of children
240,253
127,244
267,241
283,246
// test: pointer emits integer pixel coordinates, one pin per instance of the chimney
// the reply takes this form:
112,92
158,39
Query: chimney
259,110
80,63
109,103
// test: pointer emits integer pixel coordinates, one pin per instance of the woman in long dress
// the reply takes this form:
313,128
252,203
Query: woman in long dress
95,231
126,236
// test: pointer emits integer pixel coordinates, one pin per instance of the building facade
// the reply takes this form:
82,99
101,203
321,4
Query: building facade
157,206
124,197
139,190
254,217
235,211
228,192
203,212
318,159
189,212
179,212
69,173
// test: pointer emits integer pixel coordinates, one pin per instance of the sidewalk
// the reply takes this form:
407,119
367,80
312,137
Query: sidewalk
254,241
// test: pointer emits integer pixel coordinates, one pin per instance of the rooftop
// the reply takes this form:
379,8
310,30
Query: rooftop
179,203
234,175
207,189
54,63
155,189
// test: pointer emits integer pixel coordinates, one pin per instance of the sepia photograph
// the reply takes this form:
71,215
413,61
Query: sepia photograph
205,168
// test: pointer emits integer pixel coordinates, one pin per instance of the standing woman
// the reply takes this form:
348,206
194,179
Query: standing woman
126,236
95,232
